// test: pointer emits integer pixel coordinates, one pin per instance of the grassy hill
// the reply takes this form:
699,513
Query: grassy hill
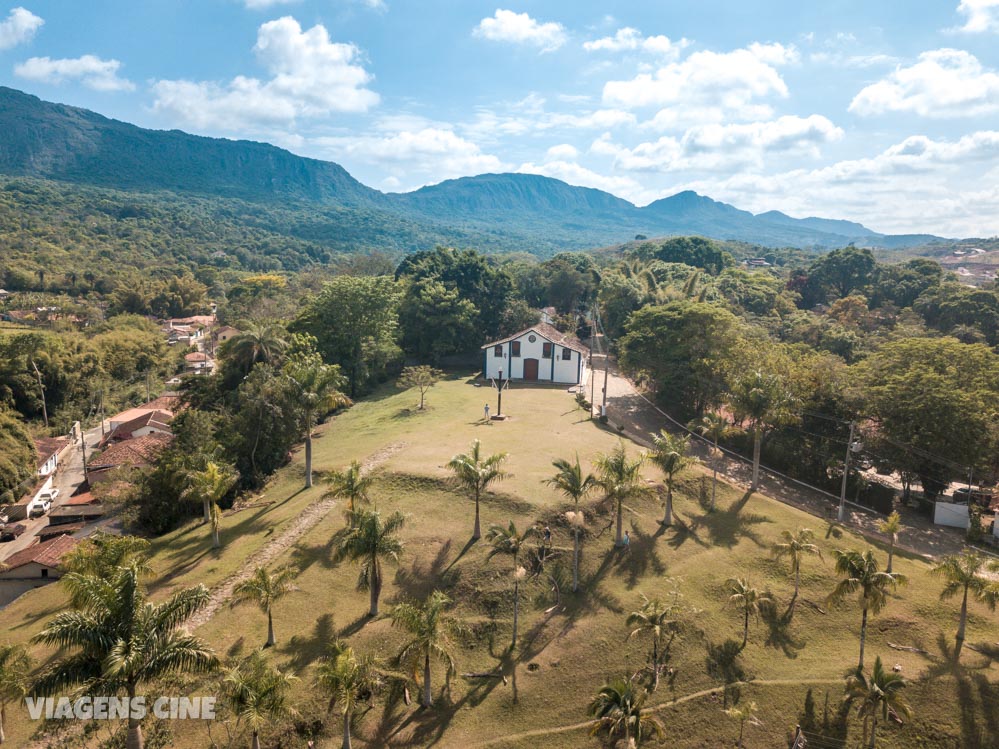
569,643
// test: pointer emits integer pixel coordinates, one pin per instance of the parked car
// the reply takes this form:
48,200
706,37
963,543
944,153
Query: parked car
39,508
10,532
50,494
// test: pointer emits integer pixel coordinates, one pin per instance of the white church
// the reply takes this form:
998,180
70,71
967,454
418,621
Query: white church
540,353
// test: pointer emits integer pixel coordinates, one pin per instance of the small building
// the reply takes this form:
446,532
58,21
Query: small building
224,333
200,363
151,422
135,453
38,562
49,449
541,353
4,294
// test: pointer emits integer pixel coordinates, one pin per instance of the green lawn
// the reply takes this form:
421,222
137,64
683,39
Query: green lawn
568,647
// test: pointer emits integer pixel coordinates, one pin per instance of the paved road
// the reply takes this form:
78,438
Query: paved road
68,478
626,407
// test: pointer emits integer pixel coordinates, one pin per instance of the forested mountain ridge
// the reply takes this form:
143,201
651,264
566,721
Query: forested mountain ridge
492,211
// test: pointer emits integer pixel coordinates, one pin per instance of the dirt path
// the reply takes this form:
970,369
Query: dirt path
628,407
538,732
306,521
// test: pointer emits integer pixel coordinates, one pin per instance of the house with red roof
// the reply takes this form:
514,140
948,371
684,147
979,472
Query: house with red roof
540,353
39,561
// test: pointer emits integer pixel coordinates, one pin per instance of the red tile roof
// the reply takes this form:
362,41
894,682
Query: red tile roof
47,553
49,446
138,452
84,498
158,419
549,332
170,402
197,356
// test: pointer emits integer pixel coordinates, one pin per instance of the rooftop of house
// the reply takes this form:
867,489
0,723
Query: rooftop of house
196,357
156,419
203,320
136,452
47,553
549,332
166,402
46,447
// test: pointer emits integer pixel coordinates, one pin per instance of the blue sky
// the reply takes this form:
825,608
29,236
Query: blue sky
885,113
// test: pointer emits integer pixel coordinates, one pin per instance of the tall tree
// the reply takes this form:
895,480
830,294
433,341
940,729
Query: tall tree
257,694
475,473
621,480
764,399
437,321
120,640
260,342
350,484
318,389
891,526
749,599
265,589
209,484
15,667
570,481
659,620
349,681
877,695
432,630
714,426
670,455
370,539
795,547
861,574
511,542
619,711
962,574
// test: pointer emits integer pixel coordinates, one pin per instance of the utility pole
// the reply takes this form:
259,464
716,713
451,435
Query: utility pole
83,446
499,395
846,473
41,389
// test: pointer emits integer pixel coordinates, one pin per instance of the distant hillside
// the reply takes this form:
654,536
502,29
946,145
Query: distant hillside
321,202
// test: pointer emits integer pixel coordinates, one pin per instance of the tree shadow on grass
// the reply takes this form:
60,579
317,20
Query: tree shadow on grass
779,635
726,527
421,579
684,530
304,649
640,558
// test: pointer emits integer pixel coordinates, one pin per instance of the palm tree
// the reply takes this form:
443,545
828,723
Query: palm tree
878,695
861,573
209,485
265,589
764,400
714,426
475,473
15,664
432,630
795,547
349,681
121,639
621,480
371,539
749,599
257,693
657,619
618,710
509,541
744,713
570,481
258,343
216,519
318,390
891,526
350,484
669,454
962,573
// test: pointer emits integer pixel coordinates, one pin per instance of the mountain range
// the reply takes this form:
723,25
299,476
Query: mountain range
495,211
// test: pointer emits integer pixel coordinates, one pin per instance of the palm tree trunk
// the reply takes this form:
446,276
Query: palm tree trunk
745,630
427,699
270,631
655,663
255,744
619,539
863,637
757,442
874,730
891,553
216,542
477,533
346,730
3,717
797,582
308,451
575,561
516,609
742,728
134,738
961,624
206,506
375,585
714,479
668,515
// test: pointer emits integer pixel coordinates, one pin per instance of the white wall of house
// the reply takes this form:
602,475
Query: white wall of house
50,465
150,429
30,571
552,367
952,515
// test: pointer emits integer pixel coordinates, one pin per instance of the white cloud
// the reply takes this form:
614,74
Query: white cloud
575,174
265,4
19,27
980,15
91,71
628,39
311,76
562,152
520,28
852,61
941,83
431,151
730,83
723,147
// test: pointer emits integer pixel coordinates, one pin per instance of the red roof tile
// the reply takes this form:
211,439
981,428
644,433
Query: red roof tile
47,553
46,447
549,332
138,452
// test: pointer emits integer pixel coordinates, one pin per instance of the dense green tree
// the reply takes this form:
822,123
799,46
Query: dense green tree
903,283
696,251
17,456
618,297
689,349
354,320
842,272
260,342
436,321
